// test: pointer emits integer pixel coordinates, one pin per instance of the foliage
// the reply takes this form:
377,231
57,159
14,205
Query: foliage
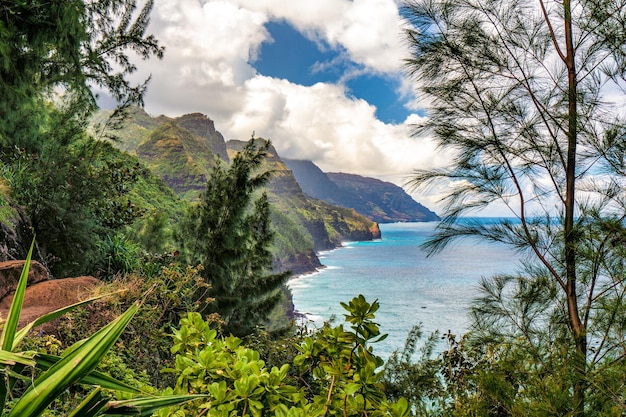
343,366
166,294
418,379
53,56
501,379
154,234
56,373
69,46
118,256
291,238
517,94
228,233
6,211
75,196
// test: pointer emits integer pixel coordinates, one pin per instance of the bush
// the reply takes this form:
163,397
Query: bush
342,366
165,296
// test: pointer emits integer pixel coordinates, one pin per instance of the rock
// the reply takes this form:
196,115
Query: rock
10,272
47,296
15,236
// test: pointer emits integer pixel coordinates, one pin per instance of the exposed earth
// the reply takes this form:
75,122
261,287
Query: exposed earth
43,295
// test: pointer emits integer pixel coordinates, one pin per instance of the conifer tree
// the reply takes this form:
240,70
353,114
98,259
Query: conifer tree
228,233
520,92
68,46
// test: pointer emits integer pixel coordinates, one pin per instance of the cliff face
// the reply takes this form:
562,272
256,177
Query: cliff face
182,151
201,126
380,201
384,202
180,158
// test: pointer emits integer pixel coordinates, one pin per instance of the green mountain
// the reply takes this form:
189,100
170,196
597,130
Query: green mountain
380,201
181,151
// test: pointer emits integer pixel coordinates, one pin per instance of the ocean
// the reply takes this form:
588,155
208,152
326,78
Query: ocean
411,288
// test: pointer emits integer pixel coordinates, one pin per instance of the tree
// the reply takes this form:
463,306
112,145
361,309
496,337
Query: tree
53,54
519,91
69,46
228,233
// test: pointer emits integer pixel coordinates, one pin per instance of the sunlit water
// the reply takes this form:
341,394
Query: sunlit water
410,287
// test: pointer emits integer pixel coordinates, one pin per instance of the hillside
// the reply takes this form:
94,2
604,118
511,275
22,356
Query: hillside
380,201
327,224
181,151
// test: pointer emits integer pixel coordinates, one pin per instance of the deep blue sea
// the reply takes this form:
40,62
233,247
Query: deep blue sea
410,287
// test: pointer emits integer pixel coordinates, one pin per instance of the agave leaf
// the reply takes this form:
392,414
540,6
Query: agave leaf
45,362
55,314
10,327
91,406
10,358
71,368
145,406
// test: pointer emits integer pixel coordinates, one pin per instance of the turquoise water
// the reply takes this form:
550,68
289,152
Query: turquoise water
410,287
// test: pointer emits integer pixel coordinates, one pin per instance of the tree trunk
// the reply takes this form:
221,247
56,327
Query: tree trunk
577,326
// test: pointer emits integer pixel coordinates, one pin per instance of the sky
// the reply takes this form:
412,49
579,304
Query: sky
322,79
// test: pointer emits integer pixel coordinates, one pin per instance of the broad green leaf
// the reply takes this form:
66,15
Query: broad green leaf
401,408
70,368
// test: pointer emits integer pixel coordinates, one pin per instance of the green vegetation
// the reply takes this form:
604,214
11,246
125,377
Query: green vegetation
338,365
71,187
76,196
518,92
228,233
6,211
49,376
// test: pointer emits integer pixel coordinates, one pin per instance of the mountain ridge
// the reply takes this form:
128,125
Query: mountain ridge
380,201
182,151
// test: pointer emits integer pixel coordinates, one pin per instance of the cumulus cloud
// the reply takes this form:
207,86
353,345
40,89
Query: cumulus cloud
369,30
208,67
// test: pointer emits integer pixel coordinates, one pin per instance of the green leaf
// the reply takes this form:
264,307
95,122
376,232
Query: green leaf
71,368
10,358
91,406
401,408
352,388
147,405
10,327
44,362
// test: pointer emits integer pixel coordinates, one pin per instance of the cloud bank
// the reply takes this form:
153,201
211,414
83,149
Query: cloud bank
211,47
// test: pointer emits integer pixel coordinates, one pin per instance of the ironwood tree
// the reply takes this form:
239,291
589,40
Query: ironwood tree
528,97
56,54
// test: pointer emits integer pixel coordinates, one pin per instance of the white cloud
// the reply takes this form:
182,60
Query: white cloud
369,30
322,124
209,47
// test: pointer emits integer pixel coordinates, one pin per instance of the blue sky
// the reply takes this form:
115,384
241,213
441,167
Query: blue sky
292,56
